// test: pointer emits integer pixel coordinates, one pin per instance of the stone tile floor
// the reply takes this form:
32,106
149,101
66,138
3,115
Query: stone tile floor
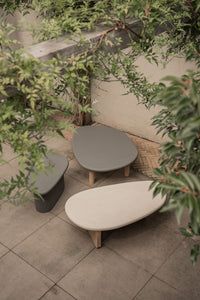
44,256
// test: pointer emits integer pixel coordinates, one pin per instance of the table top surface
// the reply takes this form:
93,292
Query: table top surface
113,206
46,180
101,148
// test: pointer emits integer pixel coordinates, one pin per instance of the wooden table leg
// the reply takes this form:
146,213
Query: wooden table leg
91,178
127,171
96,238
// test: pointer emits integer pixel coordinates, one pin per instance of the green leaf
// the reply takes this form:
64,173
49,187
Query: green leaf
195,252
186,232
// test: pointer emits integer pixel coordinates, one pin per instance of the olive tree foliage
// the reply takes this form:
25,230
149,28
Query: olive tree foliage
167,28
28,102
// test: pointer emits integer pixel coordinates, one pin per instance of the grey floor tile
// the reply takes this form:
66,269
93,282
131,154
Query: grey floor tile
55,248
56,293
118,177
179,272
65,218
8,170
19,281
60,145
169,219
3,250
8,152
81,174
145,243
72,186
158,290
104,275
18,222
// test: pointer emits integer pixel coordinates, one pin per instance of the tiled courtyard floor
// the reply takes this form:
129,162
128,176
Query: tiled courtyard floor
44,256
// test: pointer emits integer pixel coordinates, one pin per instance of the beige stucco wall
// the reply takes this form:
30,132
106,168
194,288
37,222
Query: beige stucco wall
114,109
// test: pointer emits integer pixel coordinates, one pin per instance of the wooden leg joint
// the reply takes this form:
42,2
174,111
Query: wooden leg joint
96,238
91,178
127,171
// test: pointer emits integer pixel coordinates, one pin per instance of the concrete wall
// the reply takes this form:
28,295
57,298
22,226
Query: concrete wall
23,26
111,106
114,109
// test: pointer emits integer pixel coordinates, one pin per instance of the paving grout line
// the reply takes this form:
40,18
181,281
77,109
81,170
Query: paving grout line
125,257
73,226
97,182
55,282
84,257
87,185
32,266
5,254
12,251
165,262
142,287
57,214
66,292
55,285
179,244
69,223
130,261
33,232
53,217
152,274
138,264
107,177
4,246
11,248
171,286
46,292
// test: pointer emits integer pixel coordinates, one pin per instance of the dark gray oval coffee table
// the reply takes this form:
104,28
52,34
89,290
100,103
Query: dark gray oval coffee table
101,148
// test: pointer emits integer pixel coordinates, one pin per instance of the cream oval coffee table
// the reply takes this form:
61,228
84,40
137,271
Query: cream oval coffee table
111,207
101,148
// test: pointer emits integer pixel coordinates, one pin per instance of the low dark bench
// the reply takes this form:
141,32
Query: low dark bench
50,183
